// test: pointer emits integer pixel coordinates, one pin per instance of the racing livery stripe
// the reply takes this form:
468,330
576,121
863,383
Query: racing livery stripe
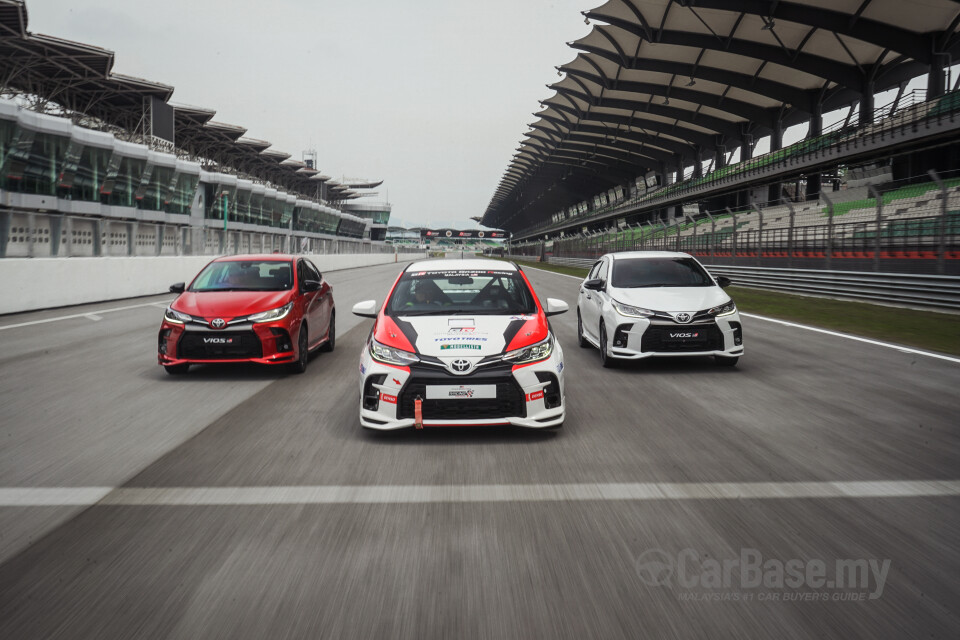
511,331
387,332
408,330
532,332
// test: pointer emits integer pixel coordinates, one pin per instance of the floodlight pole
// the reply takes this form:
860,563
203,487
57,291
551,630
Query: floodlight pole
733,237
829,229
713,233
942,240
759,233
875,193
694,223
793,217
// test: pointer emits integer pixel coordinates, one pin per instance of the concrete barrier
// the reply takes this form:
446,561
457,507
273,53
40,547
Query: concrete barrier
41,283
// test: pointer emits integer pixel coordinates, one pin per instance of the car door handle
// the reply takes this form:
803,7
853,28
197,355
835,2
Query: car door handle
588,297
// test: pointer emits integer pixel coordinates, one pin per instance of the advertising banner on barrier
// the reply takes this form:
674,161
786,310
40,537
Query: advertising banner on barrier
469,234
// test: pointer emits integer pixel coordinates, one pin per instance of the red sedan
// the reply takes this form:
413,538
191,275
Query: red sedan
269,309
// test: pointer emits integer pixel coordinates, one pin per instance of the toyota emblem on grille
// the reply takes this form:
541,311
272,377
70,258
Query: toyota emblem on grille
682,318
218,323
460,365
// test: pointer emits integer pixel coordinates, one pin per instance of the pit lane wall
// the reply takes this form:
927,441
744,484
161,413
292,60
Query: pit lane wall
42,283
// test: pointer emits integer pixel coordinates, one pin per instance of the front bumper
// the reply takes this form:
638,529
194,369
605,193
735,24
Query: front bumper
638,338
261,343
529,396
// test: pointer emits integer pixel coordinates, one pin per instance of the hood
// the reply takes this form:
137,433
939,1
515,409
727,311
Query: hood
671,299
472,337
229,304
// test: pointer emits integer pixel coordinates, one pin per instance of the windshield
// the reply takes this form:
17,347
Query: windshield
659,272
247,275
452,292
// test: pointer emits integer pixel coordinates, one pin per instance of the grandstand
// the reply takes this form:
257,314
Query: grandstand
649,138
94,163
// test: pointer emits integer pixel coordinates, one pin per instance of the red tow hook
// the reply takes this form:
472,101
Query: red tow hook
418,413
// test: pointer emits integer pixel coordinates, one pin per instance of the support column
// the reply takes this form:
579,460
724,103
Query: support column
816,129
776,143
816,120
746,147
697,166
867,103
776,136
936,82
721,156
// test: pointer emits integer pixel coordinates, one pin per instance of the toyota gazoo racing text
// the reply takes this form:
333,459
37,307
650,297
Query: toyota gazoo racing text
461,343
269,309
640,304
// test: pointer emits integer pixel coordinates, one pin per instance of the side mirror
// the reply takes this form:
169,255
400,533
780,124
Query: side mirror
594,285
311,285
178,287
723,281
365,309
556,307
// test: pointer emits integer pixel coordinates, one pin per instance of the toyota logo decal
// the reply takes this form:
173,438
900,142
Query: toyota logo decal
682,318
218,323
461,365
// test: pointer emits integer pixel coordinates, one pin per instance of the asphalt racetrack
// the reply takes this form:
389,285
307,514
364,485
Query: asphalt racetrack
810,492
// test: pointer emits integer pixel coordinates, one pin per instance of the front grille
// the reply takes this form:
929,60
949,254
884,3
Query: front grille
237,345
657,338
509,402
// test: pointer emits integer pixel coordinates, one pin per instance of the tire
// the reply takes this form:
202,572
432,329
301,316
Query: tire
581,341
605,359
331,335
176,369
303,351
725,361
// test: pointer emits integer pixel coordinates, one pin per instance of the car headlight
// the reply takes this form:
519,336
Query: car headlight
725,309
273,314
534,352
390,355
630,310
174,316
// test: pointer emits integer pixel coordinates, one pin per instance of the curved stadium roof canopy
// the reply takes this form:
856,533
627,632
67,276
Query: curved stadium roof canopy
659,84
80,78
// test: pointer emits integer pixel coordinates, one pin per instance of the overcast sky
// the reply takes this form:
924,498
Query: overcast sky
431,96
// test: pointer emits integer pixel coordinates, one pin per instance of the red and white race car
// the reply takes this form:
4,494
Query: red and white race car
461,343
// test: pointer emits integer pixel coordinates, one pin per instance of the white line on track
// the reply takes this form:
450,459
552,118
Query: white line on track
410,494
94,317
878,343
888,345
89,314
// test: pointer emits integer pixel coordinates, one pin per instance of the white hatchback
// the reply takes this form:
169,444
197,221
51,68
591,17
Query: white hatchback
640,304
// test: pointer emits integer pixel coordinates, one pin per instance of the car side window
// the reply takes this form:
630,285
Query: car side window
301,275
602,271
594,270
312,272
